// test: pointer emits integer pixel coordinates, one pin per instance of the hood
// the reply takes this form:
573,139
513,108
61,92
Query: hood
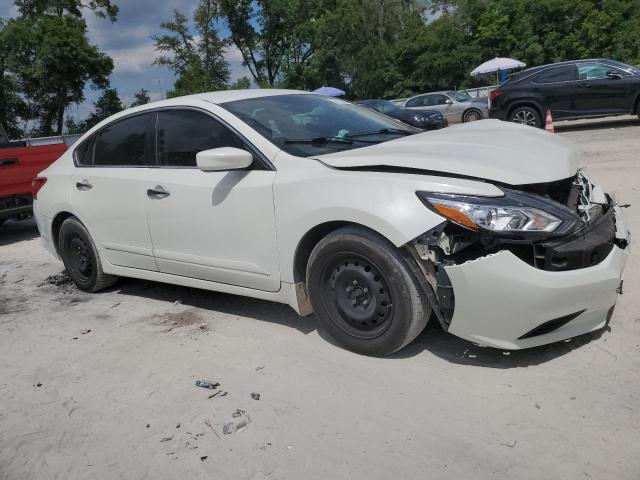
488,149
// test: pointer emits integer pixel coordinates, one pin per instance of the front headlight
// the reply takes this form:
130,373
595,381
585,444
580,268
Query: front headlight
515,212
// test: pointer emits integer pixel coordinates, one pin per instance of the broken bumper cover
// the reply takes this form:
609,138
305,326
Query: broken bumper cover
503,302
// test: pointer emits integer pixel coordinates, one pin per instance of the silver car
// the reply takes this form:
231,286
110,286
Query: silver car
455,106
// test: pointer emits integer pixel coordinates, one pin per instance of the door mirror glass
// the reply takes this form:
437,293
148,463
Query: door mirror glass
449,101
225,158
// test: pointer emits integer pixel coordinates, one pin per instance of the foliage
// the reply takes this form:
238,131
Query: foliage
36,8
108,104
197,59
53,61
140,98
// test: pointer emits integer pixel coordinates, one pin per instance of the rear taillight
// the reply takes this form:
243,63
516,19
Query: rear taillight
36,185
495,94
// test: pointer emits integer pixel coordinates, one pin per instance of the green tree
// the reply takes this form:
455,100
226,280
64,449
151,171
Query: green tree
37,8
53,61
141,98
12,106
108,104
197,59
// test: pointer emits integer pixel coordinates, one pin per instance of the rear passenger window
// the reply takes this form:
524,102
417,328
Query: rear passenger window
184,133
565,73
416,102
84,152
123,143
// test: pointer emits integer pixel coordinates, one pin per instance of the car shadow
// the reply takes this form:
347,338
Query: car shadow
456,350
236,305
14,232
597,124
433,339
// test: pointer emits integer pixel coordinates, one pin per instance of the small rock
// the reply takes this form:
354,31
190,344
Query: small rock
148,425
289,447
204,458
538,406
255,396
233,427
572,397
166,439
38,385
210,384
178,425
259,367
203,326
238,413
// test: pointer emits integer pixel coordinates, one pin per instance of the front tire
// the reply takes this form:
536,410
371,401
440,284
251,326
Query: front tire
526,116
80,257
364,293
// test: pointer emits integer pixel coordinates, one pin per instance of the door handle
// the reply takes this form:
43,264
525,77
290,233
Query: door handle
9,161
84,185
157,192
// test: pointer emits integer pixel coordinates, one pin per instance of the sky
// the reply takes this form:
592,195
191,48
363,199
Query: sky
128,42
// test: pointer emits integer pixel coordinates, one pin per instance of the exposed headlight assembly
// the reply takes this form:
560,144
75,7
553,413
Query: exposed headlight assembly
516,213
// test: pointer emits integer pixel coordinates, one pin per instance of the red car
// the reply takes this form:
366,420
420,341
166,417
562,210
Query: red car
20,162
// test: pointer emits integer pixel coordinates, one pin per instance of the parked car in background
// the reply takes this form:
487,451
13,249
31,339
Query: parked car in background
570,90
20,162
424,119
334,208
455,106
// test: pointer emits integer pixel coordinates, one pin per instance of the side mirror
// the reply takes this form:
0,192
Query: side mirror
225,158
449,101
614,76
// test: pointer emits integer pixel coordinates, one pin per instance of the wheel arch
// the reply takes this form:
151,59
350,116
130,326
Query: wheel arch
312,237
56,224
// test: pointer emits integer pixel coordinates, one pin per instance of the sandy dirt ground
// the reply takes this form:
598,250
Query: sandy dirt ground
120,400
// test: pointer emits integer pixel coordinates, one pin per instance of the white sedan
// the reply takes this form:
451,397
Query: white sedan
488,228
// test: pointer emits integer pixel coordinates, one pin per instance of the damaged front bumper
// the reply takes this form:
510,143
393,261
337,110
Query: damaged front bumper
503,302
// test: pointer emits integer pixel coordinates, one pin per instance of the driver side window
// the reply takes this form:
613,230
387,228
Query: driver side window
181,134
417,102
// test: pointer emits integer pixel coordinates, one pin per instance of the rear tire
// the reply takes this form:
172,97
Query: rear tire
80,257
364,293
471,115
526,116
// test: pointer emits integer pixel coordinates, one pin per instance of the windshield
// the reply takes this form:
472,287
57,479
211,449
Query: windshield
624,66
384,106
310,125
460,96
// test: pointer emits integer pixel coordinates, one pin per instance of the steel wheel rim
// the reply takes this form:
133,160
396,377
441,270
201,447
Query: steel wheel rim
360,295
525,117
80,257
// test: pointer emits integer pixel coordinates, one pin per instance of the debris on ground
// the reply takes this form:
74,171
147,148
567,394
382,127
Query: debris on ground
19,281
178,425
114,305
204,458
203,326
259,367
219,393
208,424
510,445
255,396
148,425
57,280
238,413
166,439
84,331
207,384
38,385
289,447
233,427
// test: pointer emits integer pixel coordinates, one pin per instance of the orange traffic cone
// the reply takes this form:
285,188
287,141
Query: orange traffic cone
548,124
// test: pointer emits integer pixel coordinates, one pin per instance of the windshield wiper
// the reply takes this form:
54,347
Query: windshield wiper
384,131
320,140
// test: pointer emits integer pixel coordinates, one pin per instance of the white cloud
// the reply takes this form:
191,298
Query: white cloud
133,60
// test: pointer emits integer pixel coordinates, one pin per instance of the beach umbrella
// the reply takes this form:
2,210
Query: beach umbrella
497,65
329,91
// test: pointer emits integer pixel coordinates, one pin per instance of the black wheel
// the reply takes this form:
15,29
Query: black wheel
471,115
526,116
364,292
80,257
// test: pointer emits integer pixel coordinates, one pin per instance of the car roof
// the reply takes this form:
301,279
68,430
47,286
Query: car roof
537,68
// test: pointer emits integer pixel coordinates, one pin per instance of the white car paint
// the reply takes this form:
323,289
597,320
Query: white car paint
239,231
